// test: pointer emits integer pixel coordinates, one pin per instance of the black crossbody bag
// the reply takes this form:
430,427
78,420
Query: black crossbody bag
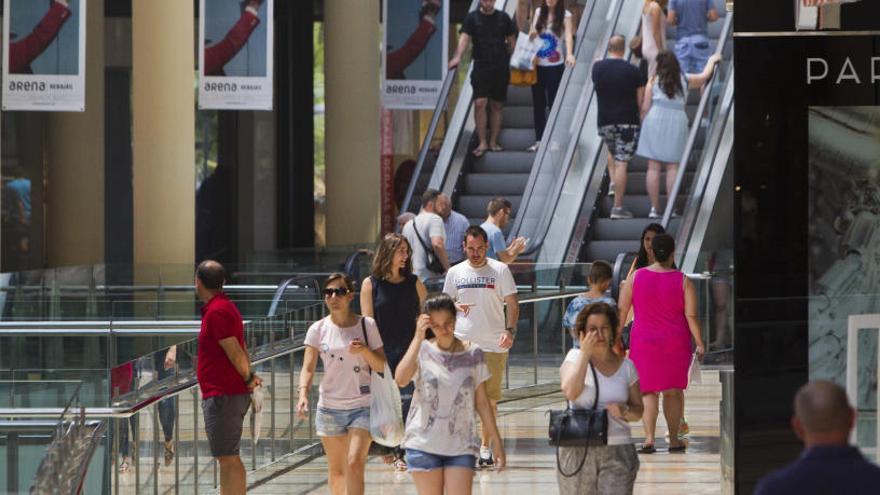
433,261
579,428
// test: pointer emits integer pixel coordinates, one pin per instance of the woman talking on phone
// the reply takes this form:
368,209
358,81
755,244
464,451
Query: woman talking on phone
349,346
441,439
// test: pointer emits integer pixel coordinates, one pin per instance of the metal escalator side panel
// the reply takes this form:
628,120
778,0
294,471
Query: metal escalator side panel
570,88
579,180
720,173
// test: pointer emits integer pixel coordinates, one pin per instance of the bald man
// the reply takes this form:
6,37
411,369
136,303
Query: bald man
823,420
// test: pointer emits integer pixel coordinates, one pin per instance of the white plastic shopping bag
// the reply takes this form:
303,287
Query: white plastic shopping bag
257,397
524,54
386,416
695,373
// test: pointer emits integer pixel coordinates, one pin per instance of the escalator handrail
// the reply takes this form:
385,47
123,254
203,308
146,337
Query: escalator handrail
552,118
442,101
579,120
695,126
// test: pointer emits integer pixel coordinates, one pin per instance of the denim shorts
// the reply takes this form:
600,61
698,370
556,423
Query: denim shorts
419,461
336,422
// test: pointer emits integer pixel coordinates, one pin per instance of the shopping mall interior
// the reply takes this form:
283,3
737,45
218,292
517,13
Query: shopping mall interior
285,139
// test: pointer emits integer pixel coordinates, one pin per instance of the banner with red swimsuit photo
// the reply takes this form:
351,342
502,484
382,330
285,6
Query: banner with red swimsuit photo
235,54
415,52
44,59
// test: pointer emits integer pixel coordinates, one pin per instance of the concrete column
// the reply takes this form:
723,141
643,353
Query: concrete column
76,164
351,67
163,102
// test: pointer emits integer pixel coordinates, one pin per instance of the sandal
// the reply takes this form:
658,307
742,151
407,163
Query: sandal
678,449
478,152
169,454
496,148
647,448
124,467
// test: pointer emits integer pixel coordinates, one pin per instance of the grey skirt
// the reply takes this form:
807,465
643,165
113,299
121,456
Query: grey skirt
608,470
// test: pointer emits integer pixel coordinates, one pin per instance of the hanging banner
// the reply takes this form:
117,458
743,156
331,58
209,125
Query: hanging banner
387,173
415,52
44,64
235,54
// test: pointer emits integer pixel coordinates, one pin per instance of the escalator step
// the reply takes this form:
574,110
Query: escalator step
516,139
519,162
519,96
605,229
635,183
497,184
608,250
638,204
518,118
474,206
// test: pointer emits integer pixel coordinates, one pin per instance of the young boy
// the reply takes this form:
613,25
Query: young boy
599,280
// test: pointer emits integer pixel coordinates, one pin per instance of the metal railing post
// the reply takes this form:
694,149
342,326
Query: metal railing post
156,448
195,396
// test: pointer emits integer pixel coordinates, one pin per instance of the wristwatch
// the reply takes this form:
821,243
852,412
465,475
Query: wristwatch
250,378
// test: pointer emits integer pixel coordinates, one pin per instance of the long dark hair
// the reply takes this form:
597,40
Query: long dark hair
669,74
558,17
642,259
385,256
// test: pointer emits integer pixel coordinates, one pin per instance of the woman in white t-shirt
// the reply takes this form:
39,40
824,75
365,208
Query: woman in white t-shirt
350,347
555,26
609,469
441,439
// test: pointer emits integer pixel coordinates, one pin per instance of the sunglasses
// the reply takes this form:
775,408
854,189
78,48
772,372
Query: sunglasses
339,292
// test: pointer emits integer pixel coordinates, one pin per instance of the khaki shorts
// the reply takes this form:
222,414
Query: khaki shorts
496,362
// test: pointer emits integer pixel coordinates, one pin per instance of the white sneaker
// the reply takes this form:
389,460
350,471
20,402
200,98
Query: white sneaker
485,459
654,213
620,213
611,189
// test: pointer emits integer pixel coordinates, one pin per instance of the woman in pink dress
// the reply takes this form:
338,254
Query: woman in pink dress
665,304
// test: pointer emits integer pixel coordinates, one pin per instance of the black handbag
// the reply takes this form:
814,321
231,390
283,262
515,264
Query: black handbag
433,261
579,428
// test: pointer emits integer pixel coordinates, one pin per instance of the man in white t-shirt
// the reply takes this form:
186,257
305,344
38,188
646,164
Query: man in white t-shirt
481,287
427,230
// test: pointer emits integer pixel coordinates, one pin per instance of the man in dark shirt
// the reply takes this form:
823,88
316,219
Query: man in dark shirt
494,35
823,420
224,374
620,86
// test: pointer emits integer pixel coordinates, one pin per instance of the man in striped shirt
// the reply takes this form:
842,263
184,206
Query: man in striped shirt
456,224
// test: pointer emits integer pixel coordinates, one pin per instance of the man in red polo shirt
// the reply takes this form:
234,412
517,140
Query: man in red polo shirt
225,375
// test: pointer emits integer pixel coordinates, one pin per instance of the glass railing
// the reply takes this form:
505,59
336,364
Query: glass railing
564,121
446,124
153,398
711,104
572,171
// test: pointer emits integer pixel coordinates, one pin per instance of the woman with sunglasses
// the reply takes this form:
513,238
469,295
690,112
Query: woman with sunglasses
450,374
350,347
392,295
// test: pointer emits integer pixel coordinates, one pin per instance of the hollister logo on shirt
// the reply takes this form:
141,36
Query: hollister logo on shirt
475,283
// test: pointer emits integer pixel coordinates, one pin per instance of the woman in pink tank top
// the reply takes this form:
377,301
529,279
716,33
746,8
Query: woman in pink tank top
664,302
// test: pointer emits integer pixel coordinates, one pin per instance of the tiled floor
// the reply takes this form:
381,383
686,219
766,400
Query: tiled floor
532,465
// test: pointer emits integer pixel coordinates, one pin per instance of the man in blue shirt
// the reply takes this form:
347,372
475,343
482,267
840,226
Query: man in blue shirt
823,420
456,224
692,18
499,210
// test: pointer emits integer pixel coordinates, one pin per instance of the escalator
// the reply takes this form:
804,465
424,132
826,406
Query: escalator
607,238
446,161
559,194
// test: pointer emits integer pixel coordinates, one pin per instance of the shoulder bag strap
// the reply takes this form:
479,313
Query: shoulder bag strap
366,340
562,429
428,250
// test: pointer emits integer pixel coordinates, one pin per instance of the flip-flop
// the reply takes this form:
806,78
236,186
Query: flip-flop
647,448
478,152
680,448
